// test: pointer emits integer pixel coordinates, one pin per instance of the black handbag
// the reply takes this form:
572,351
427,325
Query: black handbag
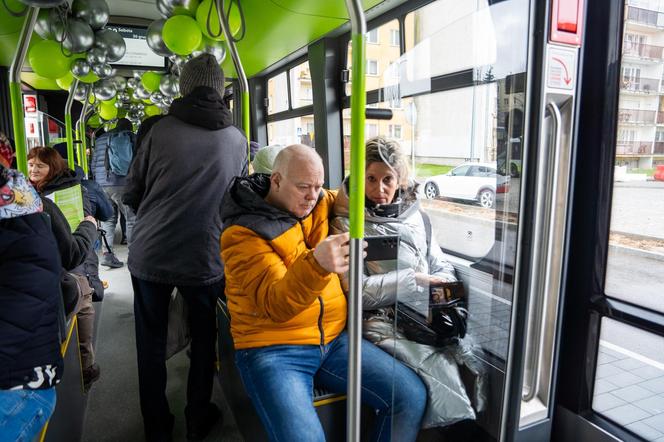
446,323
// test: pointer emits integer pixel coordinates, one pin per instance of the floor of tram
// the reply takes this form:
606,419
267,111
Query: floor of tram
113,412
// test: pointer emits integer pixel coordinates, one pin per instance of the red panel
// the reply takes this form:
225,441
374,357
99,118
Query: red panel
566,21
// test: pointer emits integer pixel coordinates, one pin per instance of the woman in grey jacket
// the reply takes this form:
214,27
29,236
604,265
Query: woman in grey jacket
392,208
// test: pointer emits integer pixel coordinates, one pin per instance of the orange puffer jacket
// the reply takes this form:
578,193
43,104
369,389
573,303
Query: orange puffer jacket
277,292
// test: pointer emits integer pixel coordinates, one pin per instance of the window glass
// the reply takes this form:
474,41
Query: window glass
277,94
300,83
380,56
292,131
635,263
372,36
449,36
629,379
442,131
394,37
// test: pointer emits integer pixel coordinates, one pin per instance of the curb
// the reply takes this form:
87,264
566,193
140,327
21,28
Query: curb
636,252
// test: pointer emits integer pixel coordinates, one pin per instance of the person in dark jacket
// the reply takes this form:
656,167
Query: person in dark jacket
114,186
102,209
49,173
176,184
30,360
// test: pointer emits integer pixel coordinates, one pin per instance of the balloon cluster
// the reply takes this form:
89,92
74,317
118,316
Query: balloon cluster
139,97
76,45
191,27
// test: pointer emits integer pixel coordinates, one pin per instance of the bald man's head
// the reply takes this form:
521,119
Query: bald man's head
296,180
294,157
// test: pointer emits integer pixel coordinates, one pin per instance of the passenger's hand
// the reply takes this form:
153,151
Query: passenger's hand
91,219
332,253
424,280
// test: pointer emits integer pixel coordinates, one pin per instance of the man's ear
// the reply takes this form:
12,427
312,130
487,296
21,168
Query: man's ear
275,180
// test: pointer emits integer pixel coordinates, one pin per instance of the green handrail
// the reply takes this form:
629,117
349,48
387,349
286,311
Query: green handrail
239,69
15,95
358,104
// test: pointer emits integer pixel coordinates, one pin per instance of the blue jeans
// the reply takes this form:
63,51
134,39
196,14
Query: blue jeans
23,413
280,380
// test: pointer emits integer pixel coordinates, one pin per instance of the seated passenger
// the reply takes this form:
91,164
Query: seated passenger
264,158
393,209
30,360
49,173
288,311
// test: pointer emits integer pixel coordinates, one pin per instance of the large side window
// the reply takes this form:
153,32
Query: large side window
629,379
277,94
290,117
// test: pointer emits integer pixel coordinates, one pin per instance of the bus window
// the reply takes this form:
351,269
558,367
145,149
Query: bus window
381,53
277,94
301,93
299,130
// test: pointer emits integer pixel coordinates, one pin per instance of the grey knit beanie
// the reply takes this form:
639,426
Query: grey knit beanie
201,71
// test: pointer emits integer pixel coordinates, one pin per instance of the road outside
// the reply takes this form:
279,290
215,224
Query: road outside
635,269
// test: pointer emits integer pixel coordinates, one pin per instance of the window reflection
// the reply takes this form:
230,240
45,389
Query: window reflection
298,130
277,94
300,83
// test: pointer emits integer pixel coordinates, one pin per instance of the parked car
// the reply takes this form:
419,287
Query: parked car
478,182
659,173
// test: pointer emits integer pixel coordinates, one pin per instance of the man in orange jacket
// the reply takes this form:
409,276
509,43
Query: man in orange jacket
288,311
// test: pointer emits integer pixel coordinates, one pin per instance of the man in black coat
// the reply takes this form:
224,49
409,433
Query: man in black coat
176,184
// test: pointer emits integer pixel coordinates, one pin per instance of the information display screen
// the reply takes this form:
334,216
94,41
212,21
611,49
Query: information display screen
138,52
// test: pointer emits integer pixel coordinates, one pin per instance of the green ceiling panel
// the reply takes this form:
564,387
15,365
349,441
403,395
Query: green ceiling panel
275,29
331,9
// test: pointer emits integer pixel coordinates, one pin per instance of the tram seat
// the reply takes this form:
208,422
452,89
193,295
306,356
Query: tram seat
331,407
68,418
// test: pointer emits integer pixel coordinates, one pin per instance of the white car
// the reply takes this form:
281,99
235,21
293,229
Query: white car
477,182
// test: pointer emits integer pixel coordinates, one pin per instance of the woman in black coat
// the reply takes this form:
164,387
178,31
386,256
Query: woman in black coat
30,360
49,173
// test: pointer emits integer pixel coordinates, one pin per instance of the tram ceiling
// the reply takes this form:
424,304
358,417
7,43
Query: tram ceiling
274,30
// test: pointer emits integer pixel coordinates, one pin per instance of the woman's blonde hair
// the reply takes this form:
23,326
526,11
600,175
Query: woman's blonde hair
384,150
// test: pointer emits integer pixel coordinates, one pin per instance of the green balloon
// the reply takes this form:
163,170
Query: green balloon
94,121
152,110
108,112
47,60
110,102
234,20
65,81
151,81
181,34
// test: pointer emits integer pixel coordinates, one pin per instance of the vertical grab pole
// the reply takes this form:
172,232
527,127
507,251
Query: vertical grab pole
80,124
358,102
68,124
16,97
241,76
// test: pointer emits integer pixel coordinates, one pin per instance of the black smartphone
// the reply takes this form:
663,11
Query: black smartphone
382,248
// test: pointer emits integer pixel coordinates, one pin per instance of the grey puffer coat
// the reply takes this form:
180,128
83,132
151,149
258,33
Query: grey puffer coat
385,281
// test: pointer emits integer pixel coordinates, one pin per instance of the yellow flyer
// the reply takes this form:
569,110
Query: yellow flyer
70,202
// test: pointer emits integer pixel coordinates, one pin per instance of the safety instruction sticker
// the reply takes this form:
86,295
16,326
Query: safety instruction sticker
561,68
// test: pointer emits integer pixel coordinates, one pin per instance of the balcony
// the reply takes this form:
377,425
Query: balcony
640,85
645,17
637,116
659,148
633,147
644,51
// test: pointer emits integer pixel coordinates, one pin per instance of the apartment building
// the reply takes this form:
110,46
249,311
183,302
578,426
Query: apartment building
640,141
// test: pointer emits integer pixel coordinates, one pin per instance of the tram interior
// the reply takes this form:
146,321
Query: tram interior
451,77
